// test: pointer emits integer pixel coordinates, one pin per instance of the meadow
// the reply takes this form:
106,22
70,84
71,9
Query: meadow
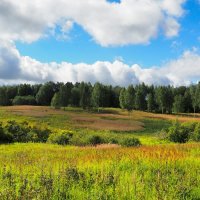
157,169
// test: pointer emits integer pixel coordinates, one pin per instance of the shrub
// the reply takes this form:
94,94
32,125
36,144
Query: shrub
5,137
130,142
196,134
42,133
178,133
17,130
62,138
95,140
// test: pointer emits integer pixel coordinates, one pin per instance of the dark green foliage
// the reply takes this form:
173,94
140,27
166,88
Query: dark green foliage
151,104
65,94
85,95
196,135
24,100
62,138
95,140
178,133
164,99
45,94
178,105
130,142
75,96
5,137
140,97
22,132
4,100
24,90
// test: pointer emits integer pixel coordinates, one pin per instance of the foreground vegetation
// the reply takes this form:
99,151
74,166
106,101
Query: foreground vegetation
39,171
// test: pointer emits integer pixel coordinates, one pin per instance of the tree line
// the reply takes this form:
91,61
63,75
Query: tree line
159,99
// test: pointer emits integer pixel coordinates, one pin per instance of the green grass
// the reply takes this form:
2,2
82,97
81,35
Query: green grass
42,171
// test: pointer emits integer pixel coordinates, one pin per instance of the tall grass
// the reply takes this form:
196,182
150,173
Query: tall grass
44,171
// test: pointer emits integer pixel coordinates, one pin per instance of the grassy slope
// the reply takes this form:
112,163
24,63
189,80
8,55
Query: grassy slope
109,122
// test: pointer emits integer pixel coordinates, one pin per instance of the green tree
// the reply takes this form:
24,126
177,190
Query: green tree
151,102
130,98
140,97
24,90
75,96
97,95
178,105
122,98
4,100
85,95
45,94
194,96
55,102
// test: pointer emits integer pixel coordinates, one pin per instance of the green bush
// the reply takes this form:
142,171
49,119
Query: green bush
5,137
62,138
196,134
130,142
17,130
23,132
95,140
178,133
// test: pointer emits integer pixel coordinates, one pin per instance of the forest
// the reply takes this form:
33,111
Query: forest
158,99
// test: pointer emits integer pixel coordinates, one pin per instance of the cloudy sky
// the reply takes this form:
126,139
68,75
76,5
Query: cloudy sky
110,41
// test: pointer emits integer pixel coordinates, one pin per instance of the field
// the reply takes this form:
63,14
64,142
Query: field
156,170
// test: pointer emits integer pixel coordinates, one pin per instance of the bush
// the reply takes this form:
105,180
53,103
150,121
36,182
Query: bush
130,142
95,140
5,137
178,133
17,130
62,138
23,132
196,135
24,100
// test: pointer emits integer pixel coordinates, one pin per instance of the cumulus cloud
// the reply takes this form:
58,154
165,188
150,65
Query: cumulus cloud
127,22
15,68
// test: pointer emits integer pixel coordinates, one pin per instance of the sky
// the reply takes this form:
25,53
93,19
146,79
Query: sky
110,41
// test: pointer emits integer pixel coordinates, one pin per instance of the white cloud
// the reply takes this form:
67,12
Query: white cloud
171,27
15,68
128,22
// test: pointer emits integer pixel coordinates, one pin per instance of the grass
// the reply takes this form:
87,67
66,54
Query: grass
43,171
155,171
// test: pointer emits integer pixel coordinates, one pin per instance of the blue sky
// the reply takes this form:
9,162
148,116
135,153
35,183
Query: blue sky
80,47
113,42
